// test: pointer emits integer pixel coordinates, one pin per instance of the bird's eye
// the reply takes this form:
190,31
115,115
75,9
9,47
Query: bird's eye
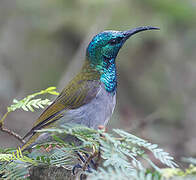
115,41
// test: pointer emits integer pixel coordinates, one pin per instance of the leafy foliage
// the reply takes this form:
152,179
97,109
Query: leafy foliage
164,157
17,155
15,165
14,170
190,160
117,150
116,174
122,155
28,102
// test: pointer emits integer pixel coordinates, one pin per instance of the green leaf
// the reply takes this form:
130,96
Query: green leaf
29,102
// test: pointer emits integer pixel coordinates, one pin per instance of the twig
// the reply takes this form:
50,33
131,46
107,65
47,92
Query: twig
8,131
3,119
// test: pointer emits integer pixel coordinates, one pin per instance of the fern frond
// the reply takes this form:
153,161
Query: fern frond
121,154
109,173
63,157
5,157
116,154
116,174
17,156
190,160
15,165
36,103
14,170
159,153
28,102
87,135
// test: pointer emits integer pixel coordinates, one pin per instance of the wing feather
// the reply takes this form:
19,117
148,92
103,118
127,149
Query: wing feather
77,93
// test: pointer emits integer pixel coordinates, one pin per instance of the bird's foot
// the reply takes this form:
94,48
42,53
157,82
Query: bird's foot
87,164
90,160
97,162
101,127
78,166
78,169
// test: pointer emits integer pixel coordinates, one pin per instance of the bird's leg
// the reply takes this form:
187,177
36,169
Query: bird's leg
98,159
78,166
101,127
81,158
89,159
92,161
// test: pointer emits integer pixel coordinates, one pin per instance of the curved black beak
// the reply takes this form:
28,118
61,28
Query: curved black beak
131,32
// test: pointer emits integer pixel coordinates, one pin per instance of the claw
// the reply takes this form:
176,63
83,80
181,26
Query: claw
80,156
77,166
92,161
98,159
82,176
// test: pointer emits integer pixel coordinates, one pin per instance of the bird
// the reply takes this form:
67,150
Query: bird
89,98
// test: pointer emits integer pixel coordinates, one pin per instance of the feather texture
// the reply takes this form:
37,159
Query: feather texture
81,90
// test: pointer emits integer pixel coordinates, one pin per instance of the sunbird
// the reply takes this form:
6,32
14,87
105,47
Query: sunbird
89,98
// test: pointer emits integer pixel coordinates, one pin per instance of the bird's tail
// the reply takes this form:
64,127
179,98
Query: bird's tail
30,143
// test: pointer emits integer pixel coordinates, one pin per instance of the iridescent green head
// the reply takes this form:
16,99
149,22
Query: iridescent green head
106,45
102,52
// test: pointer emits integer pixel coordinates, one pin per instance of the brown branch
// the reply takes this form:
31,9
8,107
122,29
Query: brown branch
8,131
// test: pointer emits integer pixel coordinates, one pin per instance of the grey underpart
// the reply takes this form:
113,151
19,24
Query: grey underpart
93,114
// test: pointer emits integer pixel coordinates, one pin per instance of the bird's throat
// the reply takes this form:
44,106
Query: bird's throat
108,76
106,73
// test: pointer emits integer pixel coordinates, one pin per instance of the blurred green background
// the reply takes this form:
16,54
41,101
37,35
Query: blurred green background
42,44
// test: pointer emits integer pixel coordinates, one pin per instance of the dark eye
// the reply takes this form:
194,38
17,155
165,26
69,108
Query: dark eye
115,41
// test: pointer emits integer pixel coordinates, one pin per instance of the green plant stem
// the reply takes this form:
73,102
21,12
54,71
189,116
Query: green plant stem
3,119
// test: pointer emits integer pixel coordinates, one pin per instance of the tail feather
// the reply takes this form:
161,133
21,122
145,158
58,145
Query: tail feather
30,143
